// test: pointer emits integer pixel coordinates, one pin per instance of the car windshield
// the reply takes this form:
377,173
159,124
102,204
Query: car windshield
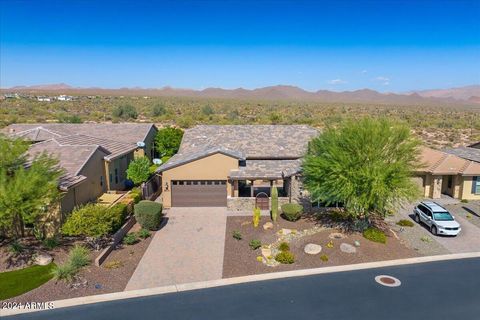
442,216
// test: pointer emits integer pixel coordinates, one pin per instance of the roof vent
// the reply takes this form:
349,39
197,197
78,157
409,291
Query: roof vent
141,144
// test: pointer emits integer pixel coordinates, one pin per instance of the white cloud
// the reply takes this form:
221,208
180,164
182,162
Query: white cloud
364,71
384,80
337,81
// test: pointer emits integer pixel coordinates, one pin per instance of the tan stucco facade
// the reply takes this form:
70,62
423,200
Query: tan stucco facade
214,167
149,150
90,189
456,186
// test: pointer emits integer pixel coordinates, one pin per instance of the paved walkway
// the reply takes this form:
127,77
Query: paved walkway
188,248
467,241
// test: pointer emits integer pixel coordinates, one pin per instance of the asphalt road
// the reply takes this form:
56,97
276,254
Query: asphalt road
437,290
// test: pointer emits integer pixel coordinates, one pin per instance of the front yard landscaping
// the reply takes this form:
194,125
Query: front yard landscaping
326,246
111,276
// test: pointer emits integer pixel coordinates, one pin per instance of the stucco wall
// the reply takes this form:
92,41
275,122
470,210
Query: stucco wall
213,167
121,164
90,189
467,189
149,150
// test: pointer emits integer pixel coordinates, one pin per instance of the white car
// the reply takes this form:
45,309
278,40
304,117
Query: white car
437,218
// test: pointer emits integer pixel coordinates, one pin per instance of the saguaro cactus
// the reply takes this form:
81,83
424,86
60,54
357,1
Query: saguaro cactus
274,206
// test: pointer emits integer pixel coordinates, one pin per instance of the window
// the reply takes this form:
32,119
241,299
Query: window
116,175
476,185
111,177
449,182
101,181
423,209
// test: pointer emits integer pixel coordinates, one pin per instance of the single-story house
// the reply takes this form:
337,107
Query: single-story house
450,172
95,157
140,134
236,165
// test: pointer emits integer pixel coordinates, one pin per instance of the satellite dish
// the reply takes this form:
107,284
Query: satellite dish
141,144
157,161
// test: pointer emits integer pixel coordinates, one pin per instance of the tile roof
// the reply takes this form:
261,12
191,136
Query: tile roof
468,153
442,163
113,148
122,132
71,158
261,142
267,169
254,141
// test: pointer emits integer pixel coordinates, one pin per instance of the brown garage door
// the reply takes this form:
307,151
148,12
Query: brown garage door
199,193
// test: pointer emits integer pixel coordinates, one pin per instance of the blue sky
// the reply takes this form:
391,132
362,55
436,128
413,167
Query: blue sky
337,45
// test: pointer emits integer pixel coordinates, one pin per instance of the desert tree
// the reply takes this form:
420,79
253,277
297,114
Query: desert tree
28,186
366,165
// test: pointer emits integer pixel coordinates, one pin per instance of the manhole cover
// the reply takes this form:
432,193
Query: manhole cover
388,281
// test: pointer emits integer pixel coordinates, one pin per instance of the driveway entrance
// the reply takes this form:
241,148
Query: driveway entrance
189,248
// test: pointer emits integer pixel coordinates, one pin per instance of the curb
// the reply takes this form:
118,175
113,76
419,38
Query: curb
238,280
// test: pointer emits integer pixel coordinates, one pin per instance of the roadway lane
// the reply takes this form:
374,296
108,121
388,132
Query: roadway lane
437,290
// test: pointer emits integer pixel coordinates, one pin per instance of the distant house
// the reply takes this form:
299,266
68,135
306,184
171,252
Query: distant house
64,98
45,99
94,156
11,96
452,172
236,165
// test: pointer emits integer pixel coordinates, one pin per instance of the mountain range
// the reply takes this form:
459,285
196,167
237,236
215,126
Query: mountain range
468,95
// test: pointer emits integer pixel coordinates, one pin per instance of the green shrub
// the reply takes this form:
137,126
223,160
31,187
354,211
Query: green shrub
255,244
50,243
285,257
130,239
375,235
464,201
237,235
117,214
405,223
284,246
324,257
79,257
64,272
16,247
143,233
292,211
361,225
148,214
94,220
136,195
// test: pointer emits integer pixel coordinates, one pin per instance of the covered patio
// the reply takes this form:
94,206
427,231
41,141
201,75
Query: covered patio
254,180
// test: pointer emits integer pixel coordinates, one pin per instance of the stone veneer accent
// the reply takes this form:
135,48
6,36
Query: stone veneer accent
248,203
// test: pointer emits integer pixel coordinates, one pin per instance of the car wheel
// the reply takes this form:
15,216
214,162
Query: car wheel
417,218
434,230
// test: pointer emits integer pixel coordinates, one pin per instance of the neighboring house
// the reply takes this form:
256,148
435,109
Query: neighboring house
95,157
450,172
236,165
139,134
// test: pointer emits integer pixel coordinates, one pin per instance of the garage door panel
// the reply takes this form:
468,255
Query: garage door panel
211,193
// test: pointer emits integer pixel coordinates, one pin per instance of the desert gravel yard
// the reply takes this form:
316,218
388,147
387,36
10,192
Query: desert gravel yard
240,259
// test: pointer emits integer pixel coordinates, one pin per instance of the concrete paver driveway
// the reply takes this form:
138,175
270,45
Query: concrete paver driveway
188,248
